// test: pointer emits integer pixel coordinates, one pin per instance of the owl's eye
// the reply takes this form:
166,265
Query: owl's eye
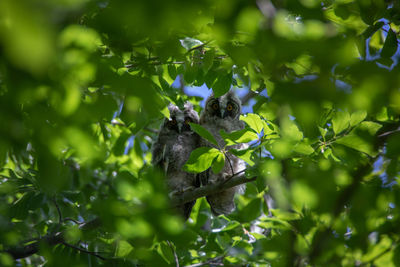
173,122
187,121
215,106
229,107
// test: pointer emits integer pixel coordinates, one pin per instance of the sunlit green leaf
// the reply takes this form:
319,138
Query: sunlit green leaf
303,195
340,121
166,251
290,130
274,223
201,159
244,154
356,142
218,163
357,117
230,226
303,148
323,131
254,121
237,137
123,248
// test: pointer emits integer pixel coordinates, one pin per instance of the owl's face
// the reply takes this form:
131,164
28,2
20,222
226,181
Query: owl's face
179,119
226,106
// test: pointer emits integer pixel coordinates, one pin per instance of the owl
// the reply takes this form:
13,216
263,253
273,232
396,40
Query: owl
222,113
172,149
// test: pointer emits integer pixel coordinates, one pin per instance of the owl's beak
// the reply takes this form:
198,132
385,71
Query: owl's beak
224,114
180,127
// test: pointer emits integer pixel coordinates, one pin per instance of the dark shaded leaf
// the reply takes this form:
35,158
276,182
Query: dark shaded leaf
203,132
390,46
222,84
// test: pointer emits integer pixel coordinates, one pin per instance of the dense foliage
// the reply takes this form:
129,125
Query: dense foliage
84,86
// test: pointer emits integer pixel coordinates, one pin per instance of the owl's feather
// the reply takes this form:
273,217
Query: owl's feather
222,113
172,149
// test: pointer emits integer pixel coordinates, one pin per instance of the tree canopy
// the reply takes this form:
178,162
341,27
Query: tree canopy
85,85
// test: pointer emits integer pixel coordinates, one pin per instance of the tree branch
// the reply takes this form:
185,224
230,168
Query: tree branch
27,250
246,98
217,261
174,252
24,251
84,250
58,210
209,189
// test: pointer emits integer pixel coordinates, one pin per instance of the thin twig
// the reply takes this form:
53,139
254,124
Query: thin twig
58,210
154,131
210,189
198,47
84,250
23,251
213,261
246,98
233,175
230,164
72,220
389,133
174,252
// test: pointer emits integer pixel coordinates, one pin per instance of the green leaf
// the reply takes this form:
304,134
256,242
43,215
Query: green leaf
119,146
166,252
251,211
285,215
254,121
340,121
208,60
201,159
222,84
370,126
203,132
123,248
387,61
274,223
218,163
256,80
244,154
238,137
172,71
328,152
357,117
390,46
230,226
188,43
290,130
191,72
376,42
372,29
357,143
303,148
210,78
323,131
